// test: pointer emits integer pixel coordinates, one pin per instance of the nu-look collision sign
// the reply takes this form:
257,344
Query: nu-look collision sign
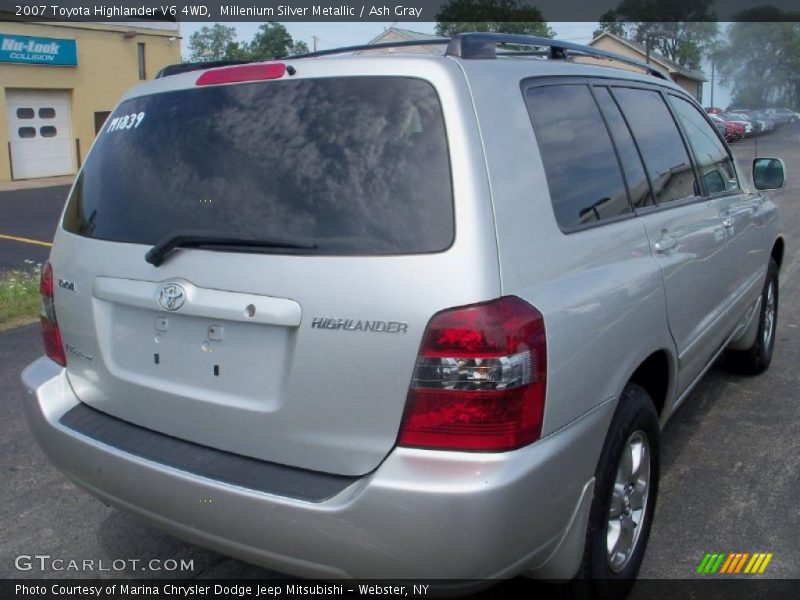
37,51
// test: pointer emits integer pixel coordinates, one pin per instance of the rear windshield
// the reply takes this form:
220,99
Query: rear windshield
354,166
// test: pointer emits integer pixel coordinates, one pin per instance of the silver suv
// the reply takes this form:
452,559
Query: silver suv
400,315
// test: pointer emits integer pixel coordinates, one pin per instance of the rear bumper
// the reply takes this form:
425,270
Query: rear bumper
420,515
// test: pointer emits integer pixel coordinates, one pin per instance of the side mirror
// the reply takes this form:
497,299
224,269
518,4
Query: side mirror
768,173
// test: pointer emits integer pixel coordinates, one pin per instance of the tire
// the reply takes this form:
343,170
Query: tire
756,358
605,574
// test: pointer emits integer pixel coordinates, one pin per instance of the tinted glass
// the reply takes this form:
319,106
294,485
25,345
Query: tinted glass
713,160
354,165
660,143
26,132
47,113
582,170
25,113
47,131
638,185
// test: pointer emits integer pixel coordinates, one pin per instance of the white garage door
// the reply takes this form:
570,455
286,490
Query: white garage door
40,133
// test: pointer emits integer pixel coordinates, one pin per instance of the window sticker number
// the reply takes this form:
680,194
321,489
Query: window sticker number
131,121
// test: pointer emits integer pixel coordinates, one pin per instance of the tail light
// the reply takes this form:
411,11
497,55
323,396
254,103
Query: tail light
51,334
480,379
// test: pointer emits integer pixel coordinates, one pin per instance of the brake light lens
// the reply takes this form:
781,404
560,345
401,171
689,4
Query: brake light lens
239,73
480,379
51,334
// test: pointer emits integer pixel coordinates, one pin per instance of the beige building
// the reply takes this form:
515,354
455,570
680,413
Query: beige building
59,81
689,79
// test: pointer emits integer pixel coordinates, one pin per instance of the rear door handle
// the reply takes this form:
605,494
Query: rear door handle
666,243
727,223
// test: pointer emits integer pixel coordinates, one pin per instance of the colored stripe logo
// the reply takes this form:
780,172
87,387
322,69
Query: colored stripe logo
734,563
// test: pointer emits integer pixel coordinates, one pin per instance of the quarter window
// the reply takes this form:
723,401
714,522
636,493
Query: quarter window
713,160
660,143
583,173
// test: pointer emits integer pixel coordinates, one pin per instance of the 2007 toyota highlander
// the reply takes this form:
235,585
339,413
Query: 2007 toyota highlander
400,315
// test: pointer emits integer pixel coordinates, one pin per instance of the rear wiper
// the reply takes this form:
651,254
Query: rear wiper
193,239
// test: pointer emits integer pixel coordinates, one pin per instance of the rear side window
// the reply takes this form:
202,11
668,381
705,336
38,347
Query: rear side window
583,174
355,166
713,160
638,186
660,143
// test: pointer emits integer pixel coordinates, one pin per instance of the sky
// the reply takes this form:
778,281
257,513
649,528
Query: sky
332,35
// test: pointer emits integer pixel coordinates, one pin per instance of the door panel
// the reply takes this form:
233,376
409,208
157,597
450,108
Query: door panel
689,244
686,232
747,259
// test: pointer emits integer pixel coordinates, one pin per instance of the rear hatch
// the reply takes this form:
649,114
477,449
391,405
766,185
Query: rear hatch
298,349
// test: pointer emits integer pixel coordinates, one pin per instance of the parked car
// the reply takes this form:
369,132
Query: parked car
783,115
748,126
393,324
730,130
713,110
769,121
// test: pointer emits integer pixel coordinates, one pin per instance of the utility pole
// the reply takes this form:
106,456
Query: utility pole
713,63
314,40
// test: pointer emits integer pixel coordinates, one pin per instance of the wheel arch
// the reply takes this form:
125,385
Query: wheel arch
656,374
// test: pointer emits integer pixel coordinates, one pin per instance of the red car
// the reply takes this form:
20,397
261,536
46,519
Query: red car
733,131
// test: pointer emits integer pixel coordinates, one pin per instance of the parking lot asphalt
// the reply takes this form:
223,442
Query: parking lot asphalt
30,216
730,455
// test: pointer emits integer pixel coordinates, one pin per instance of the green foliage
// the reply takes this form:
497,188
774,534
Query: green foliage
761,59
501,16
218,42
20,302
681,30
273,41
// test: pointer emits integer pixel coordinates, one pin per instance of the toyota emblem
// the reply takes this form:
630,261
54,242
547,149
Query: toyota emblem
171,297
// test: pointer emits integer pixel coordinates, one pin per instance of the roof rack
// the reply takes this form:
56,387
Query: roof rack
462,45
196,66
400,44
484,45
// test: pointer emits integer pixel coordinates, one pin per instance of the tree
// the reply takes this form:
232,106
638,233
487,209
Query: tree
502,16
761,59
273,41
681,30
217,42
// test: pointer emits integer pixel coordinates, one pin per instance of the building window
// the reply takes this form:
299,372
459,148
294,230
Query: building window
47,113
25,113
142,67
26,132
47,131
